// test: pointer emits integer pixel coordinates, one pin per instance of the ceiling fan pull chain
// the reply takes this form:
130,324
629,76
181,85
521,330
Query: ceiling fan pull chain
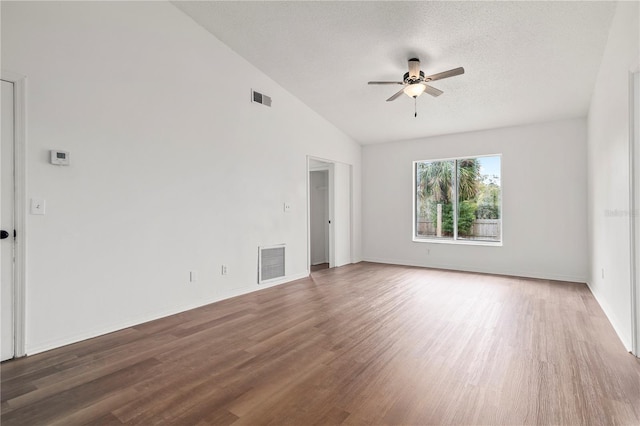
415,106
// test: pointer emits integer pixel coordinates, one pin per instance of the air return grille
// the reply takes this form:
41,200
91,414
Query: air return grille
259,98
270,263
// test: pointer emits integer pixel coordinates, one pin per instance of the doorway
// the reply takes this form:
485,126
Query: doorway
319,221
329,213
12,247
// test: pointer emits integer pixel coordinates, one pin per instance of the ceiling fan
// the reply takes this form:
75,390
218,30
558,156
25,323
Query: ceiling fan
415,82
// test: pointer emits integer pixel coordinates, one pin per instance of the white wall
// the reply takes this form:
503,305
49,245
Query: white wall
544,201
172,168
608,164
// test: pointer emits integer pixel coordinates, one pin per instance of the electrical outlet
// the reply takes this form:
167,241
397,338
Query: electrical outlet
287,207
193,276
428,252
603,273
223,270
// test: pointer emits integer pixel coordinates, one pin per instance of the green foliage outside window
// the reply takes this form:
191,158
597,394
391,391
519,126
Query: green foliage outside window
478,197
466,216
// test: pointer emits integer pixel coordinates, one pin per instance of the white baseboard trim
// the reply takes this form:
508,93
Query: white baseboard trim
626,340
514,273
111,328
245,290
100,331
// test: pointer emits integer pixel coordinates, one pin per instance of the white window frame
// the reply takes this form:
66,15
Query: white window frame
455,239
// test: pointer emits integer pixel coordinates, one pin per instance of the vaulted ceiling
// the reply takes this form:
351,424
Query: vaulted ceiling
524,62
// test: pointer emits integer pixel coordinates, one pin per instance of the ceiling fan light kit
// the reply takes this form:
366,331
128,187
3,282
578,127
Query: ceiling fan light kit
415,82
414,90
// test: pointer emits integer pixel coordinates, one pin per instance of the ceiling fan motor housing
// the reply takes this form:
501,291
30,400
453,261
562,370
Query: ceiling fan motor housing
408,79
414,68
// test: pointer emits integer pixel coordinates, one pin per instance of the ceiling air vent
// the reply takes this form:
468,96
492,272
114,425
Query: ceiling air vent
259,98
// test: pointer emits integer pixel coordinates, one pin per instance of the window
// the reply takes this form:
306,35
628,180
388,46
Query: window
458,199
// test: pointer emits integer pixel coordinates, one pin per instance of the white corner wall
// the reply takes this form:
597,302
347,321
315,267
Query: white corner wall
608,165
172,169
544,202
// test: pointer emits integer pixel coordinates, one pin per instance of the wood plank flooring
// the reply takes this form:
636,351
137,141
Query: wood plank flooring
365,344
319,267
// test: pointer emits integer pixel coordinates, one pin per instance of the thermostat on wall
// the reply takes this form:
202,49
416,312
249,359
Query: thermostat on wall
60,158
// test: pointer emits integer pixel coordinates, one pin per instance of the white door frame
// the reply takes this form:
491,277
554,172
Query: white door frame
634,206
331,166
19,170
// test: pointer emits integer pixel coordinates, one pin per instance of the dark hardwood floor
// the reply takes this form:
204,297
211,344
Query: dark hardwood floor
319,267
361,344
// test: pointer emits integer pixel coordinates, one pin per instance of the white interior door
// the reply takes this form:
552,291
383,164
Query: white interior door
7,344
341,221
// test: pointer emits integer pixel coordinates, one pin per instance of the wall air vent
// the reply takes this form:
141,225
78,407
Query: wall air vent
259,98
270,263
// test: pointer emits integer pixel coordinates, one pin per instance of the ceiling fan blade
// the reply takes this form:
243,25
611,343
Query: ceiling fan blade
432,90
392,98
445,74
414,68
385,82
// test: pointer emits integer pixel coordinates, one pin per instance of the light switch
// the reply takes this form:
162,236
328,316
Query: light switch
37,206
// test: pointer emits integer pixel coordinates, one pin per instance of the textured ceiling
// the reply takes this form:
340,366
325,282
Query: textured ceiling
524,62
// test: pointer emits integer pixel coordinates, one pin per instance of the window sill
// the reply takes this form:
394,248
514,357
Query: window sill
458,242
